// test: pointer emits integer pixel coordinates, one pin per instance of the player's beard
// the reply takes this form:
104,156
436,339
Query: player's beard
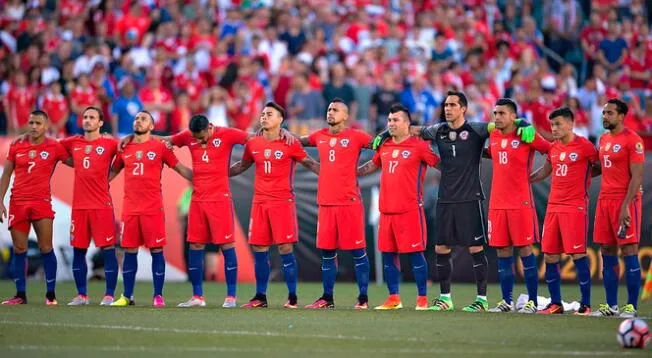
608,126
140,132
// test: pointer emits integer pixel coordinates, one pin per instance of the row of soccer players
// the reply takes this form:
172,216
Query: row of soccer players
403,159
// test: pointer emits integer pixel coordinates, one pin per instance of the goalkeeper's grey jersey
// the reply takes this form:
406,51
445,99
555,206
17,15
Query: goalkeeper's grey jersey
460,151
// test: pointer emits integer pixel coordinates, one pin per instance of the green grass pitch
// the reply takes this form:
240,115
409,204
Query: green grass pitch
35,330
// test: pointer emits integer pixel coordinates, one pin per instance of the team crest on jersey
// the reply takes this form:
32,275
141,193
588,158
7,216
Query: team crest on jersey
573,157
217,142
503,143
616,148
139,155
395,153
32,154
151,155
405,154
344,142
562,156
639,147
606,147
333,142
278,154
464,135
268,153
99,150
88,149
44,155
452,135
515,143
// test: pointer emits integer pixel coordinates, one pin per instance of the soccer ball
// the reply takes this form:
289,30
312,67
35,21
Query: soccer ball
633,333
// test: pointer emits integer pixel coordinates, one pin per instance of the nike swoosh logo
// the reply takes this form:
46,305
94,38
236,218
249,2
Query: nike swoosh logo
109,238
160,273
478,237
584,283
442,137
193,268
77,149
76,269
322,141
577,246
325,269
194,143
159,240
418,267
228,236
50,281
287,265
20,155
255,152
629,236
384,153
127,156
550,281
415,245
360,264
528,238
553,156
289,236
231,268
478,265
359,242
634,270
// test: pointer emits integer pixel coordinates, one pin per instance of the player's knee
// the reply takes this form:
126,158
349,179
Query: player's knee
442,249
197,246
525,250
45,247
578,256
630,249
285,249
505,251
256,248
551,259
156,250
131,250
110,247
20,249
227,246
475,249
609,249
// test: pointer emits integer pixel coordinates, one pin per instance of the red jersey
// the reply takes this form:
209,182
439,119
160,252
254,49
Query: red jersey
56,107
338,159
83,97
210,162
571,165
512,164
275,164
403,168
22,102
616,153
92,160
33,168
143,164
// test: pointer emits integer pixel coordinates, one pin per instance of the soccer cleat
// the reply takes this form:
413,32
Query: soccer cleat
393,302
628,311
422,303
15,301
122,302
552,308
502,306
107,300
606,311
443,303
194,301
362,303
80,300
158,301
259,301
584,310
229,302
321,303
51,302
480,305
529,307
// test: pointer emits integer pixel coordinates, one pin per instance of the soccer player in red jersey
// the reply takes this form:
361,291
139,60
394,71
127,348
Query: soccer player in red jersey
512,217
565,227
618,213
273,197
402,229
341,223
143,216
92,207
211,215
33,161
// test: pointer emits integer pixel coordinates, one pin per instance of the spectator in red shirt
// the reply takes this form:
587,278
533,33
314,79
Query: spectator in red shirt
19,102
134,20
159,102
637,68
181,114
82,96
581,123
55,104
242,107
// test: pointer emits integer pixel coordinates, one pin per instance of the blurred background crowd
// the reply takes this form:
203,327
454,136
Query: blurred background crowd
226,58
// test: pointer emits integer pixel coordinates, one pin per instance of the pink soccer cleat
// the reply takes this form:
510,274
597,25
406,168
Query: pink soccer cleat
51,302
15,301
158,301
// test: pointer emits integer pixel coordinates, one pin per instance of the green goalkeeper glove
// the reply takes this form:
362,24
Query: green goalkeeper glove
525,130
380,139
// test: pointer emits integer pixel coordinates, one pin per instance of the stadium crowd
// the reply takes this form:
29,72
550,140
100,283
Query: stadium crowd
226,58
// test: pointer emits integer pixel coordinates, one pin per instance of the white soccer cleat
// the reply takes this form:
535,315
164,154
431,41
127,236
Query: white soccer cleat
502,306
529,307
195,301
229,302
107,300
80,300
606,311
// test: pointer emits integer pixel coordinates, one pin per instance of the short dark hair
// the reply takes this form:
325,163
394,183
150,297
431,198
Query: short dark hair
507,102
100,113
461,96
198,123
149,114
562,112
40,113
277,107
339,100
621,107
397,107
